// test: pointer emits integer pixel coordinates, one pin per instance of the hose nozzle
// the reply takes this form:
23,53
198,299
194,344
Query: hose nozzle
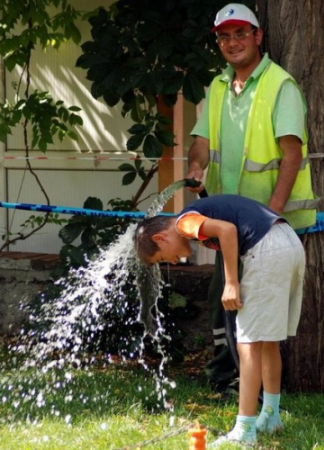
191,182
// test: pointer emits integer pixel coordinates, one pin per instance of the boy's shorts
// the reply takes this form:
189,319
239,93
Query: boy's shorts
271,287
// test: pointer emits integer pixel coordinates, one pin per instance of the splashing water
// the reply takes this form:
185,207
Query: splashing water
62,331
77,315
163,197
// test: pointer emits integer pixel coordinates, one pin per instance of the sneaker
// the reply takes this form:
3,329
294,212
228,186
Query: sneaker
226,439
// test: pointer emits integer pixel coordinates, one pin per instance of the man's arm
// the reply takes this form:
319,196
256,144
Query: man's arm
198,159
292,158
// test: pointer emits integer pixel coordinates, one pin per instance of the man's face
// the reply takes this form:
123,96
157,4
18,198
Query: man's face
172,247
243,51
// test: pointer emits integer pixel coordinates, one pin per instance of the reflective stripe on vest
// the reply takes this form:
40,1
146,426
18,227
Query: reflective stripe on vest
274,164
214,156
293,205
252,166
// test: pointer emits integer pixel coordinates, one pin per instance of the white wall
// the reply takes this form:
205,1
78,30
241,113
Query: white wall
67,181
71,171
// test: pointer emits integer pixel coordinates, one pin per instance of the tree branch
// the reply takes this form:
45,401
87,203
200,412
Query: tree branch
144,185
25,124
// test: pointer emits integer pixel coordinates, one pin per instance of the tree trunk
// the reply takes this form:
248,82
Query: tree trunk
294,38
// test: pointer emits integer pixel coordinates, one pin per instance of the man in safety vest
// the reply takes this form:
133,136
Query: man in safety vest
251,138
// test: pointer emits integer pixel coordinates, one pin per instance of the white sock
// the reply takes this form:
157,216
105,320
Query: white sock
269,419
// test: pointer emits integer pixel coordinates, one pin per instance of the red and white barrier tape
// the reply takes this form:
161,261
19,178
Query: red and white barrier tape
104,157
96,158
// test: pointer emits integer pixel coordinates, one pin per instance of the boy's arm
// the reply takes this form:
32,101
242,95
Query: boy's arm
226,233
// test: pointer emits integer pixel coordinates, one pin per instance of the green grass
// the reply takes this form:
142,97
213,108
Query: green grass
115,408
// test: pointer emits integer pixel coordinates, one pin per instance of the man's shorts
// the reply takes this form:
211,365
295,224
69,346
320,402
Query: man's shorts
272,287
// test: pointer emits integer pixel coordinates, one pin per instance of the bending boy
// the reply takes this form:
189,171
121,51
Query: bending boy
268,298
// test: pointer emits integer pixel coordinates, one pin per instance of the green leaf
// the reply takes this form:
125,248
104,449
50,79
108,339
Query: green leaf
163,119
126,167
205,77
74,254
72,135
165,45
35,139
148,30
42,145
137,112
139,128
152,148
89,237
63,113
75,120
72,108
173,83
73,32
151,98
78,219
166,137
110,97
70,232
4,131
135,141
13,60
93,203
194,61
142,174
138,163
193,89
177,300
170,99
128,178
61,134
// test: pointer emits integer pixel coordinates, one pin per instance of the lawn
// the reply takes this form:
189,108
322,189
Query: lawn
116,406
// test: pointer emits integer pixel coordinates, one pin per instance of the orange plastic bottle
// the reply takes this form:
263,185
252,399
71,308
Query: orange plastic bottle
197,439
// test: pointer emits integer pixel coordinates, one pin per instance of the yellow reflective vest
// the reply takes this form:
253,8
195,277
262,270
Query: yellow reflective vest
261,155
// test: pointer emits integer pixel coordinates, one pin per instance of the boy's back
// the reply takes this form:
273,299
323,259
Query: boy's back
252,219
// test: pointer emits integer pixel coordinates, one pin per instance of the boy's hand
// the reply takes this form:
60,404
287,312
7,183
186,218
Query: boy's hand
231,297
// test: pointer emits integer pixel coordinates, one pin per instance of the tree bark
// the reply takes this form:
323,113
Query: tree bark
294,38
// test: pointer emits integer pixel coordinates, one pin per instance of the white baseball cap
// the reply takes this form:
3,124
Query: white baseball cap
235,14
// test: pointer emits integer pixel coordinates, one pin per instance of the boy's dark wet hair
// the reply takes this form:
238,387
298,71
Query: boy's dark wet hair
146,229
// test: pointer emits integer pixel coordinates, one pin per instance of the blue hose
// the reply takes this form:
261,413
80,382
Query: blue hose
77,211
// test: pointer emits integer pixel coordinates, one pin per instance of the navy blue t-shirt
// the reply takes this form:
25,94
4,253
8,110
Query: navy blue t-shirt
252,219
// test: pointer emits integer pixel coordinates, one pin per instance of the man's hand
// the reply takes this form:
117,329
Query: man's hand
231,297
198,159
196,172
195,175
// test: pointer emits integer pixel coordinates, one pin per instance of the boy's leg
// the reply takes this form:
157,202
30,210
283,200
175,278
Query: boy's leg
269,419
244,430
271,367
250,377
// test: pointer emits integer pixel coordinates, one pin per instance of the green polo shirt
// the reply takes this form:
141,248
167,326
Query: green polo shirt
288,119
